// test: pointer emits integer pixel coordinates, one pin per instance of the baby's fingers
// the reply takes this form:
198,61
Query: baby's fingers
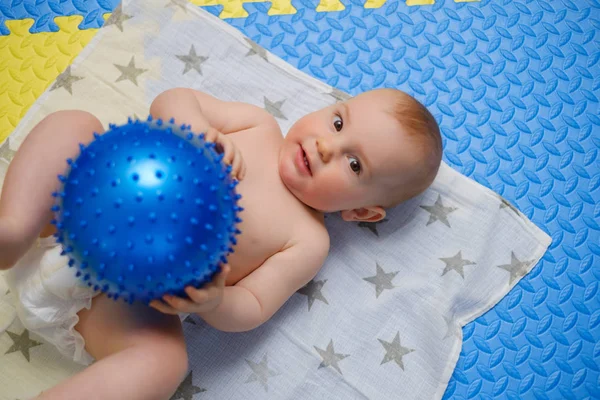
231,155
179,304
227,148
163,308
222,276
238,167
211,134
211,291
198,296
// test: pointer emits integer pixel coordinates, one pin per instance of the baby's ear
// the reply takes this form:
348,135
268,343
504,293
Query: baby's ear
365,214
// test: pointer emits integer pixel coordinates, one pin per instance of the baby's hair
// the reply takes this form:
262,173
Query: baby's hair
418,124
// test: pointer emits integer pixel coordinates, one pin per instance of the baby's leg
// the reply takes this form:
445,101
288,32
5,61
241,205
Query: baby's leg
140,353
32,177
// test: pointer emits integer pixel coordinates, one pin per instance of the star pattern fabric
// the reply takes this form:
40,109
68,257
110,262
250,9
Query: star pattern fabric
261,372
341,334
438,212
516,268
255,49
5,151
372,226
456,263
394,351
381,280
451,327
117,18
274,108
192,61
22,343
330,357
177,4
506,204
187,389
339,96
130,72
66,80
312,290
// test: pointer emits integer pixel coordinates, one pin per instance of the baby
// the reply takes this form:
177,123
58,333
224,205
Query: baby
358,158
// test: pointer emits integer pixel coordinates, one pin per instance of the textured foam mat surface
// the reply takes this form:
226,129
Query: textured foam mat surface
515,87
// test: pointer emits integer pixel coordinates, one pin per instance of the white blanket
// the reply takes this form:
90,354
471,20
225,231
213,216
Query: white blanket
382,319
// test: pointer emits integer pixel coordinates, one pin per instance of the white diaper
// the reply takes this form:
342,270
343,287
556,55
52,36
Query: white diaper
48,297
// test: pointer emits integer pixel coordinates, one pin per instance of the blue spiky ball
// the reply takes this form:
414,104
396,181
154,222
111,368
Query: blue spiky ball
146,209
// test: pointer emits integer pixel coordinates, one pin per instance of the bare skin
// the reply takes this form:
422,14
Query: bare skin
351,149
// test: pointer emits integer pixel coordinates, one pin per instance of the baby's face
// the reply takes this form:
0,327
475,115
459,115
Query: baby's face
341,157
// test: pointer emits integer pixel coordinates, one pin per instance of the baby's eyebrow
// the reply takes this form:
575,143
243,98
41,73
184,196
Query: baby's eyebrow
346,112
367,164
364,162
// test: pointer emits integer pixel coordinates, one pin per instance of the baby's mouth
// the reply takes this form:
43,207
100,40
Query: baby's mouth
306,160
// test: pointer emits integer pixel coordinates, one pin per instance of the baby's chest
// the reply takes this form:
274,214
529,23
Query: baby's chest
269,209
267,226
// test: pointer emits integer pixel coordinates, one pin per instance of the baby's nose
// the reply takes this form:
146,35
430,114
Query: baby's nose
324,149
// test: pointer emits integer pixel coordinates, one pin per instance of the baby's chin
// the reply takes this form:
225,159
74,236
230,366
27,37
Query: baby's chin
309,200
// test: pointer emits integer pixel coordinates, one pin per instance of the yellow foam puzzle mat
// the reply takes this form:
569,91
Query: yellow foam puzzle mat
30,62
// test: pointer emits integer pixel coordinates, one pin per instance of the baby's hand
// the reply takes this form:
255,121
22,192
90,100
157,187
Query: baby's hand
200,300
231,154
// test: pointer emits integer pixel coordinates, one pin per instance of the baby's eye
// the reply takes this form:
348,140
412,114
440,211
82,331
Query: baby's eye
338,124
355,165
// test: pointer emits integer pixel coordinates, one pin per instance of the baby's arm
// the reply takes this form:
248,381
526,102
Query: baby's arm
254,299
201,110
213,117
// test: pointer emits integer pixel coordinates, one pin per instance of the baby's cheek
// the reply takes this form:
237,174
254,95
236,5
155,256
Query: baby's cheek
300,129
331,191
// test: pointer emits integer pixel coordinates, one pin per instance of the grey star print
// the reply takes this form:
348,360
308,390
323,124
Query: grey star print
181,4
339,95
192,61
372,226
261,372
274,108
117,18
330,357
255,48
21,343
394,351
313,291
5,151
66,80
439,212
451,327
130,72
456,263
381,280
187,390
517,268
505,204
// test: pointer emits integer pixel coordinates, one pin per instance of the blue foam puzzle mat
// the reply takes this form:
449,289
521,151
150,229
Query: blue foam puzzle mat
43,12
515,87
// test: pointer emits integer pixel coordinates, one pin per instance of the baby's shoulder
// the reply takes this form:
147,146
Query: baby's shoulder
267,123
310,233
311,244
